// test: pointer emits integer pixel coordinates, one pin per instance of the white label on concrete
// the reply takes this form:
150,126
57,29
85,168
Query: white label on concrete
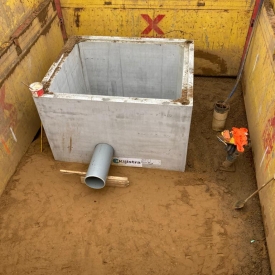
127,162
151,162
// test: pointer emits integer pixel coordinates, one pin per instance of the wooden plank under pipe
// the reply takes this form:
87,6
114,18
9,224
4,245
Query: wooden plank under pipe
110,181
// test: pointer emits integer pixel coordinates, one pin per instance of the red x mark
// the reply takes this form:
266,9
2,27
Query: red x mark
153,24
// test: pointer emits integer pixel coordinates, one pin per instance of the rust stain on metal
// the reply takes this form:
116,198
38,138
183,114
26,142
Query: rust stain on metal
53,5
17,46
200,3
27,23
43,16
215,59
183,99
71,144
77,16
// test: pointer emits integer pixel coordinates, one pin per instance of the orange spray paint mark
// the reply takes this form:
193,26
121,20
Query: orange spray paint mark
5,146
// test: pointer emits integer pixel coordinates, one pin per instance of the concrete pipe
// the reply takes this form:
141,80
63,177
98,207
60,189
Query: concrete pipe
99,166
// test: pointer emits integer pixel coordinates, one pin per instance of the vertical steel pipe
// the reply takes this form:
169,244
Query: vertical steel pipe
99,166
61,19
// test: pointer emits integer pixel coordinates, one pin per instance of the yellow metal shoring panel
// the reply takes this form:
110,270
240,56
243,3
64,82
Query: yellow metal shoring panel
21,120
259,80
214,54
259,83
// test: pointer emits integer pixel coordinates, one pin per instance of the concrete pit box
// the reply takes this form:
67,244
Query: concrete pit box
120,91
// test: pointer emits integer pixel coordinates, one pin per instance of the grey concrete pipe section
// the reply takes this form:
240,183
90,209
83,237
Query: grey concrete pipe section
99,166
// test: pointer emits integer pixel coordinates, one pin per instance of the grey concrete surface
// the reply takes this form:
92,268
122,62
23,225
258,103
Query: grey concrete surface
133,70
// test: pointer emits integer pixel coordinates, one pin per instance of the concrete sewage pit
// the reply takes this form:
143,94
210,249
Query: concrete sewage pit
120,91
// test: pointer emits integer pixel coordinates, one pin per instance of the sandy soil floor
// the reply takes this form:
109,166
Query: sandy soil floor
163,223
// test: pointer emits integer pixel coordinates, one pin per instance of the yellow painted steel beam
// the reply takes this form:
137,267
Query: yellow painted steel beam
179,4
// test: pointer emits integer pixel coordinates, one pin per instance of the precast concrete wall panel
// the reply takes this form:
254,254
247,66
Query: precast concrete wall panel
134,94
138,129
